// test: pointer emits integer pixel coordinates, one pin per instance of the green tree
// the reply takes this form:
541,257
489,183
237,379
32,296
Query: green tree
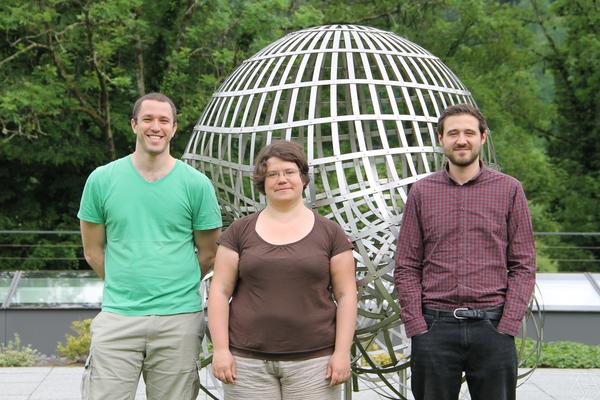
572,54
71,70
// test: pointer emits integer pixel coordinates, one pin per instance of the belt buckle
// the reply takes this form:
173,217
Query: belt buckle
459,309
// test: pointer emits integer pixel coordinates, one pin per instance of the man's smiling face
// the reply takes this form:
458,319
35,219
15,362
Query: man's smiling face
154,127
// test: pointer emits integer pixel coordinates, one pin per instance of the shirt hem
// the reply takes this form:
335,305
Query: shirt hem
129,313
293,356
87,218
206,227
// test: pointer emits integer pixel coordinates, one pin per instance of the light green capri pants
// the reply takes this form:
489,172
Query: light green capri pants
164,348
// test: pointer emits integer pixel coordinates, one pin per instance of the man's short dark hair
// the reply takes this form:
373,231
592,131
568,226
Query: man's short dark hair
284,150
457,109
154,96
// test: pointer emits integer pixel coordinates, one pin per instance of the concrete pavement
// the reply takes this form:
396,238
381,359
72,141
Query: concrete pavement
62,383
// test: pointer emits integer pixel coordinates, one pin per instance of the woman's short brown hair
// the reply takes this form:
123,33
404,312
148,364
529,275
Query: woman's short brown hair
284,150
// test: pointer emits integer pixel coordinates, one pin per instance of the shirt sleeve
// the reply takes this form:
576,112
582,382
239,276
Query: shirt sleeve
206,213
230,238
341,242
409,267
521,265
90,207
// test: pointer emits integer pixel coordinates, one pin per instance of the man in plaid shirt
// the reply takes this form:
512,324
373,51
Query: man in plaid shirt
465,269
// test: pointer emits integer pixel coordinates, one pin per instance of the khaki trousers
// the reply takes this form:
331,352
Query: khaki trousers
281,380
164,349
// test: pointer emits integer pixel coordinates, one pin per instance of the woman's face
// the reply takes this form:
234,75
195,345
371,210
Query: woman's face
283,182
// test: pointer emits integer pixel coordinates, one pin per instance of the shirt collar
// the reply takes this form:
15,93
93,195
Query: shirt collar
482,171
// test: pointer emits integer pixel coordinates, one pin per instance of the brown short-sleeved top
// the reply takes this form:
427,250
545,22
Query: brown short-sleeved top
282,306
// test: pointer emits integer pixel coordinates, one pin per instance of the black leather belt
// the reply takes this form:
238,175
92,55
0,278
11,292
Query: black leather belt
493,314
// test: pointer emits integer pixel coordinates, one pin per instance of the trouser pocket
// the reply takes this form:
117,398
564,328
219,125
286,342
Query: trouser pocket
86,379
196,380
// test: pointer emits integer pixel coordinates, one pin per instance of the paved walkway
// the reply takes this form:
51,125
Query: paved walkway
62,383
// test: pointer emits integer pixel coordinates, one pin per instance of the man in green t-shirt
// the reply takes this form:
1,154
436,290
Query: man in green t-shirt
142,216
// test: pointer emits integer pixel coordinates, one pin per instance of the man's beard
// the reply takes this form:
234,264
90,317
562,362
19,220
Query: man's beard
460,161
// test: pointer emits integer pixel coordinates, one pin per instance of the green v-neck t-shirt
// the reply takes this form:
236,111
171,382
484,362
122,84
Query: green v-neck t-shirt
150,263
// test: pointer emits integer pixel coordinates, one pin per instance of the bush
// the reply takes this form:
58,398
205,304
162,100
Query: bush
77,347
16,355
565,355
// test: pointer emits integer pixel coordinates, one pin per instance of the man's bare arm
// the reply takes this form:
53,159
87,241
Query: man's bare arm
206,243
93,237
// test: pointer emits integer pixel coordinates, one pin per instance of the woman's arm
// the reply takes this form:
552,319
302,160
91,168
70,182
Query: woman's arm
343,280
221,287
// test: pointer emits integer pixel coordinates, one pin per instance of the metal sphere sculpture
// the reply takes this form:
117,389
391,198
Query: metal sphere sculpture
364,104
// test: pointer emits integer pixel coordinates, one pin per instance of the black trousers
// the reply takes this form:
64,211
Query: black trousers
450,347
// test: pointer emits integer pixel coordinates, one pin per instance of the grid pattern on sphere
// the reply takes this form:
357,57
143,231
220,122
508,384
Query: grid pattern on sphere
364,104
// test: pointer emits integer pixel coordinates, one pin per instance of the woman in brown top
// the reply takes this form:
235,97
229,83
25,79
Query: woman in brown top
282,336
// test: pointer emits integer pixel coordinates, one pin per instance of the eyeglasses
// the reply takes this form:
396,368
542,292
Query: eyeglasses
288,173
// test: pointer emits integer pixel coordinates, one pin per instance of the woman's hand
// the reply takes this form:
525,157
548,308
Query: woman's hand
223,366
338,369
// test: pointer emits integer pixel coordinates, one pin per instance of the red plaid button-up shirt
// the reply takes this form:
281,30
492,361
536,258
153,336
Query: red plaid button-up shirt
467,245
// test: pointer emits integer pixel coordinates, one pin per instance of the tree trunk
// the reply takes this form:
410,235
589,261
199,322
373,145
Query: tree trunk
139,58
